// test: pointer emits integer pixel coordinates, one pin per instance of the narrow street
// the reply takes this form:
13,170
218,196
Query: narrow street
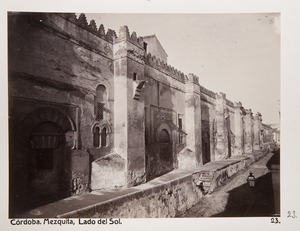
235,198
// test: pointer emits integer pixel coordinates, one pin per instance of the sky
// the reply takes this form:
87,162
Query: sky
238,54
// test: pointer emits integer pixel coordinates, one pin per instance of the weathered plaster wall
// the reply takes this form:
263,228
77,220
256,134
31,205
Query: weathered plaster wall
248,132
209,128
47,64
55,63
136,126
193,124
164,101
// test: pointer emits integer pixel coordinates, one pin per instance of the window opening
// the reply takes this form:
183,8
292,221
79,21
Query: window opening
134,76
145,47
103,137
96,137
100,102
100,110
180,121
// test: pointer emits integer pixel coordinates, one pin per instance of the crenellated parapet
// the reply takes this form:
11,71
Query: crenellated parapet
258,116
125,34
164,67
81,21
238,105
229,103
193,78
207,92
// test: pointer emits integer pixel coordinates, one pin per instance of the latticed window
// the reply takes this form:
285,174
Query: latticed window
100,102
180,121
180,140
100,110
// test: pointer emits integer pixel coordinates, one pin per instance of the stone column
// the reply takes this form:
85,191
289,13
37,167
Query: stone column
257,132
192,124
221,151
248,132
238,130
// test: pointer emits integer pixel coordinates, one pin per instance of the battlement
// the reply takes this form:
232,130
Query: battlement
229,103
81,21
207,92
164,67
193,78
124,34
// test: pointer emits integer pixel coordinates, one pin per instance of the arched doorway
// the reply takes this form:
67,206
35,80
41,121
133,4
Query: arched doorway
165,150
205,147
45,163
39,159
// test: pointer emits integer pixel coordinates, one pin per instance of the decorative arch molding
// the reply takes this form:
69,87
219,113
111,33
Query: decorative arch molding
164,126
50,114
102,124
101,130
108,87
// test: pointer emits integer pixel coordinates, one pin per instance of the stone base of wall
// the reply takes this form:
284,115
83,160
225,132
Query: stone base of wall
108,172
165,196
186,159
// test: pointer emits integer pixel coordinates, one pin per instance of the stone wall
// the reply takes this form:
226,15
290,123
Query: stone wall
55,63
164,103
151,117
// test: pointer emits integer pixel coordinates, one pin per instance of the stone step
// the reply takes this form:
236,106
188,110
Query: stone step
207,174
205,178
206,184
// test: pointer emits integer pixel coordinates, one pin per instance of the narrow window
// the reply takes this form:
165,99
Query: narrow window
145,47
96,137
134,76
180,121
103,137
100,102
180,138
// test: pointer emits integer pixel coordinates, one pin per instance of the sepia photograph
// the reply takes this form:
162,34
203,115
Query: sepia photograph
114,115
101,125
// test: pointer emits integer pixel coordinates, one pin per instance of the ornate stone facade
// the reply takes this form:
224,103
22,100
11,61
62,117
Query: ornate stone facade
91,110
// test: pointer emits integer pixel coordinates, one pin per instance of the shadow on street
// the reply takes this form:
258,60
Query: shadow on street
251,202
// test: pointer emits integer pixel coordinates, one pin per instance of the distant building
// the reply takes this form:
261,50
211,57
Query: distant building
90,110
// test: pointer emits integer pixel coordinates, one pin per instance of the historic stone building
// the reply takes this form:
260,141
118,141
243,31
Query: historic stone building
90,109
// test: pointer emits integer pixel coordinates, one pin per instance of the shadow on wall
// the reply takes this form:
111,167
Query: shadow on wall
206,133
251,202
162,140
55,72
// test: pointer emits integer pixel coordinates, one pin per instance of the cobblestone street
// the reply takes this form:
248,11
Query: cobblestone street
235,198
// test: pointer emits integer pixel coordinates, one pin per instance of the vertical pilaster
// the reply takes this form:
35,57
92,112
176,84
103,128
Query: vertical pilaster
248,132
129,108
257,132
238,130
192,123
221,151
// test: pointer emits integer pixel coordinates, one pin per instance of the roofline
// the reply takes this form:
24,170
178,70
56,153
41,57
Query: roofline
154,35
267,125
